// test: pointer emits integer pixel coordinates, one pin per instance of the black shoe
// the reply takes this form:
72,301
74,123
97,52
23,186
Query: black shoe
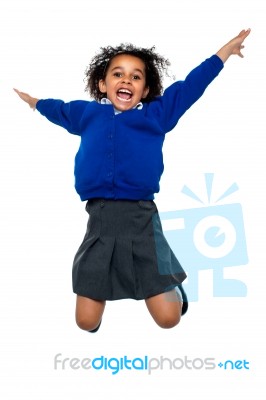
185,299
96,329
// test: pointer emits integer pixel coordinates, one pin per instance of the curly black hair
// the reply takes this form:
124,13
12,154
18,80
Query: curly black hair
155,67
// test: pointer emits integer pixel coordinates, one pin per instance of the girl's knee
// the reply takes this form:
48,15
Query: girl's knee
168,321
165,309
89,313
87,324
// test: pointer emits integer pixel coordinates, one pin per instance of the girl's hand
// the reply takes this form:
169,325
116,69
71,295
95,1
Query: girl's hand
32,101
236,43
234,46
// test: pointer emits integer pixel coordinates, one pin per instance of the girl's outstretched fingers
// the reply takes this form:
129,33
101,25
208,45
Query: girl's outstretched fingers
234,46
31,101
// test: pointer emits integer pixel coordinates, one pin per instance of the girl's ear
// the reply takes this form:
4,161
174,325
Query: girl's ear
102,86
145,92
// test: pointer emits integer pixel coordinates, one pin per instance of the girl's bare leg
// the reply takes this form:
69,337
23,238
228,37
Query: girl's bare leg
165,308
89,313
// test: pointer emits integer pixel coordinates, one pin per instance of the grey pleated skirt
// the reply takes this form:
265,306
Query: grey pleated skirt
124,253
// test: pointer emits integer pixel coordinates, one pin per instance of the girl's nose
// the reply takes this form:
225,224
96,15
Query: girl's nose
126,80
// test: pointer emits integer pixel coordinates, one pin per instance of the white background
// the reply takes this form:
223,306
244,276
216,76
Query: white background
45,48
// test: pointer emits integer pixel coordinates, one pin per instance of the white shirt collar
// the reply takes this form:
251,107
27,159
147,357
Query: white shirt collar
139,106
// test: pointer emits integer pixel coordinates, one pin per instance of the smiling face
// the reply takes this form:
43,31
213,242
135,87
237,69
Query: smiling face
125,82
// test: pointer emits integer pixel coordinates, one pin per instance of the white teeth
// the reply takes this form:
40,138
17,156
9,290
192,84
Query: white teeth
124,91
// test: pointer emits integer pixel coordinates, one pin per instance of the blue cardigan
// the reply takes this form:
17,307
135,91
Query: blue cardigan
120,156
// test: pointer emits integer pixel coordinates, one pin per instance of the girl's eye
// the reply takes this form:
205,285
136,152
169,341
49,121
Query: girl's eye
136,77
118,74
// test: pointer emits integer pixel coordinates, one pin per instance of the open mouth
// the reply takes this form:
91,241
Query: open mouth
124,95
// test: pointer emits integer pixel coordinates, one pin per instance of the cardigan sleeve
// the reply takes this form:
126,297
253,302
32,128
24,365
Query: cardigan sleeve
67,115
181,95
